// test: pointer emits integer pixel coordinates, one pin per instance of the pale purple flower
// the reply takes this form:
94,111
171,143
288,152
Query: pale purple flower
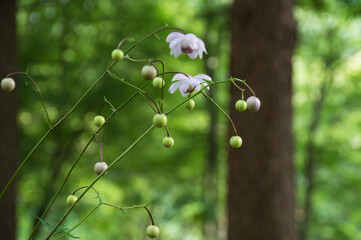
187,84
188,43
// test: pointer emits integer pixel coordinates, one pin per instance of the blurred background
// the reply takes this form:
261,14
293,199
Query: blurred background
65,45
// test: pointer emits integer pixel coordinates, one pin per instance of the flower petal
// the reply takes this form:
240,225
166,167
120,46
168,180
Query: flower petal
175,42
174,87
203,76
173,36
179,77
193,55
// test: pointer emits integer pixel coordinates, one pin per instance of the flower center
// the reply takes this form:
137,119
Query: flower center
185,47
190,89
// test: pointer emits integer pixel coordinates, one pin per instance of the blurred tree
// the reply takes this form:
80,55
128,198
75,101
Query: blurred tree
261,185
8,110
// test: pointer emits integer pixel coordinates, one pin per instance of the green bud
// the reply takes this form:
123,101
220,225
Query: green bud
8,84
241,105
158,82
71,199
235,141
117,55
99,120
149,72
152,231
160,120
190,104
168,142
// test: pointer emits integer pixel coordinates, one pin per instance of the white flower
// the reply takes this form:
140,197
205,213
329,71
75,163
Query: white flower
189,43
187,84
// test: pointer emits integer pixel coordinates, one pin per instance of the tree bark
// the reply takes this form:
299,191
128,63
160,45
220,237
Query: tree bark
261,201
8,110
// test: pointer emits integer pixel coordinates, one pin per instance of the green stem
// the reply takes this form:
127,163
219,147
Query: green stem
141,91
80,155
220,108
24,162
244,83
84,95
96,179
51,128
151,34
83,220
37,89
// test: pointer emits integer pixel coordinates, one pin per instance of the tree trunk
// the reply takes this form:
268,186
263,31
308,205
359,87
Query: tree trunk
8,110
261,201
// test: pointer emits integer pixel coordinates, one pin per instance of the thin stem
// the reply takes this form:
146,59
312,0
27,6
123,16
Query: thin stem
80,155
220,108
133,86
84,95
86,187
101,150
120,43
151,34
100,176
37,89
166,128
24,162
137,60
162,89
83,220
150,215
101,108
244,83
52,127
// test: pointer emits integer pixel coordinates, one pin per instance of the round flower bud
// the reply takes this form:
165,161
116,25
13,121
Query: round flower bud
99,120
168,142
149,72
8,84
160,120
241,105
71,199
236,141
152,231
117,55
100,167
253,104
158,82
190,104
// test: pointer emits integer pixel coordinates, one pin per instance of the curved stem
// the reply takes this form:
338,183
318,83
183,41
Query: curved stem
52,127
166,128
78,158
101,107
37,89
244,83
150,215
151,34
220,108
121,42
96,179
86,187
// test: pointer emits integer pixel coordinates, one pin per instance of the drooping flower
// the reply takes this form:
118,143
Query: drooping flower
188,43
187,84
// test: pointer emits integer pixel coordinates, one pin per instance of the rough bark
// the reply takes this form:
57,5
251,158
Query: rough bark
8,109
261,185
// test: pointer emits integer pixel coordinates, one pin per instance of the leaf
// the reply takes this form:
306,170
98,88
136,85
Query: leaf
59,230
